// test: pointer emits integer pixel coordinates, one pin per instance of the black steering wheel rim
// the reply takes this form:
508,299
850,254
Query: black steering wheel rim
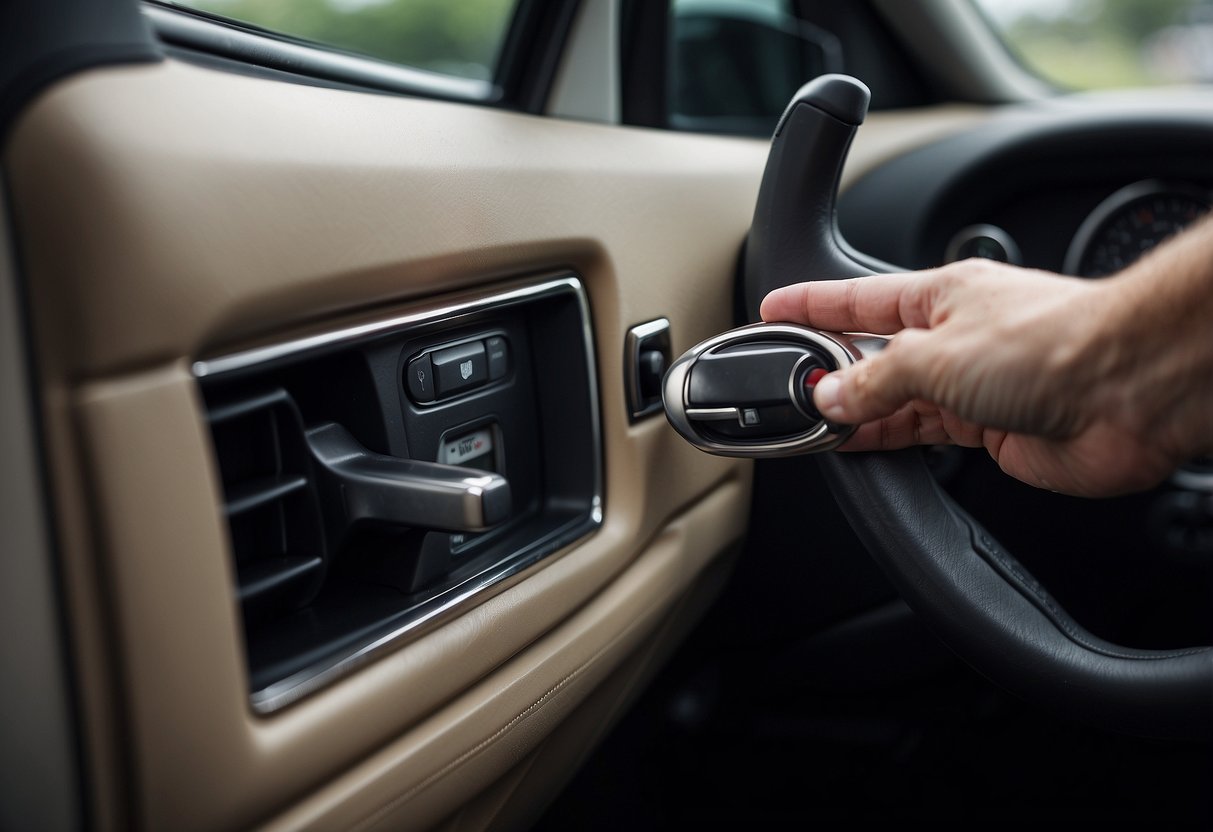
952,572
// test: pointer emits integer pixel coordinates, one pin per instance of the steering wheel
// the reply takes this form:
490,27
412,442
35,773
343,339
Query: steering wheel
952,572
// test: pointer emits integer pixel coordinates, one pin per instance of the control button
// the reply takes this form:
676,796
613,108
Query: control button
750,417
419,376
499,357
459,368
808,383
646,356
748,374
651,367
713,414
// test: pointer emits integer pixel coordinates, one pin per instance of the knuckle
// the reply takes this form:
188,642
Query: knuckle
953,274
963,273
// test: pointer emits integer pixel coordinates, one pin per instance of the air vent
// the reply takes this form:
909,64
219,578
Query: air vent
270,501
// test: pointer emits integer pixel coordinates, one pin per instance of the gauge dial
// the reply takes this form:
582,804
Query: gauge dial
988,241
1131,222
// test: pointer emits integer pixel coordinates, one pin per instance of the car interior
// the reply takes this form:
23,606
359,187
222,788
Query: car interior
343,486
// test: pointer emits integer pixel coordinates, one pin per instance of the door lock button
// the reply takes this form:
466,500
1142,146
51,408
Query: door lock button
442,372
460,368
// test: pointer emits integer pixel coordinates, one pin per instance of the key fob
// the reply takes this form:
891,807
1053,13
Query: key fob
748,392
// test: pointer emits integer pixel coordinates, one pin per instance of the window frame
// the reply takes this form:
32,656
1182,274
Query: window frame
526,64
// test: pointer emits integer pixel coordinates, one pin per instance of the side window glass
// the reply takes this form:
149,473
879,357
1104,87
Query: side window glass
1127,43
734,64
462,38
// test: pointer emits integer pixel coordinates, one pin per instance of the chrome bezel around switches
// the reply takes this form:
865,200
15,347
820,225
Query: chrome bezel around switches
841,350
420,612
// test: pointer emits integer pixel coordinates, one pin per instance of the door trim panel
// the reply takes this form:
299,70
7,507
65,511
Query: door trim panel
169,213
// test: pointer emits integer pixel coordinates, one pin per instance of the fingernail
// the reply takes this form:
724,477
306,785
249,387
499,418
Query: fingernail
826,397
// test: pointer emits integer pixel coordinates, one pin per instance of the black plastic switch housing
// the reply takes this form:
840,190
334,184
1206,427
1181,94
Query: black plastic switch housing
750,374
646,357
460,368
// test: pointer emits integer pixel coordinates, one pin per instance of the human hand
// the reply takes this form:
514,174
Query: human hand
1045,372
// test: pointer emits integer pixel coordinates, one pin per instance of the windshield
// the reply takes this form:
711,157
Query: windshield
1102,44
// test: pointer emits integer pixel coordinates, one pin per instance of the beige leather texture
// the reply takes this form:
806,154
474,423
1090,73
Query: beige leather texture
170,212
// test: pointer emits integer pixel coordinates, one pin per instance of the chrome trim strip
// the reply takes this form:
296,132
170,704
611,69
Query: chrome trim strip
231,40
456,307
422,617
650,328
417,620
1193,478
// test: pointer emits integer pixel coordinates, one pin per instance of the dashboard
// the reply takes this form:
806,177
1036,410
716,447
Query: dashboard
1074,190
1120,229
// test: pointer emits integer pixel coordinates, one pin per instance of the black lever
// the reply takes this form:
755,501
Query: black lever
748,392
795,232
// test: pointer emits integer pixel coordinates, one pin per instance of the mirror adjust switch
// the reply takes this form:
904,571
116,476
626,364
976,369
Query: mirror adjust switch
419,377
460,368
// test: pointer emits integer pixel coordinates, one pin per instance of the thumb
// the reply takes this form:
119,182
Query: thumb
879,385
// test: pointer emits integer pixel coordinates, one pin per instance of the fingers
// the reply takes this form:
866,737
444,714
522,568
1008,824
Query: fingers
878,386
881,304
915,423
902,429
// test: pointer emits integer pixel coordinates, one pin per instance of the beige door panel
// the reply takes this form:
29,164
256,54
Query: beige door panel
199,751
463,748
168,213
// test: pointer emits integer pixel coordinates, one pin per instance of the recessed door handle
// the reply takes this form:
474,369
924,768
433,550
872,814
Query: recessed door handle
407,492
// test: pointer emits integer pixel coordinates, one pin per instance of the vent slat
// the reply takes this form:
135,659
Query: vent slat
252,495
270,501
244,407
264,576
